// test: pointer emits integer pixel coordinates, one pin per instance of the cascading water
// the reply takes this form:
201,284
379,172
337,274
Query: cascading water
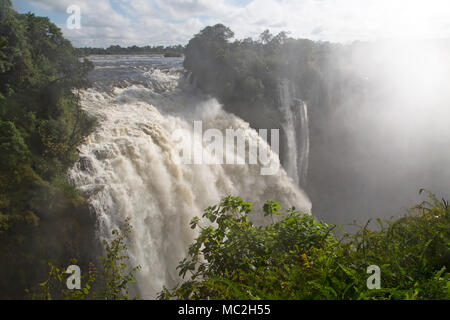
127,169
303,136
296,127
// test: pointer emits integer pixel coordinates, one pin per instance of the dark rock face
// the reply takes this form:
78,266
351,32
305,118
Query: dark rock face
86,164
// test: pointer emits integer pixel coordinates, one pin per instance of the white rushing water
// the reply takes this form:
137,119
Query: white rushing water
127,169
296,125
303,136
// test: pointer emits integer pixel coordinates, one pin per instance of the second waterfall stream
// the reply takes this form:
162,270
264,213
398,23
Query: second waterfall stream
127,166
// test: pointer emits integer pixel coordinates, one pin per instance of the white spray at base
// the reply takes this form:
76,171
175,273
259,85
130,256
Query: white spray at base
296,125
126,169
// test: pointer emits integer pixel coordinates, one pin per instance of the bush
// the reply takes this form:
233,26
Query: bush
302,259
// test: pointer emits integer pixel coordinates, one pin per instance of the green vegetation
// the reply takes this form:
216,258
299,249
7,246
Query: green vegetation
111,284
244,74
117,274
42,217
170,51
294,257
298,258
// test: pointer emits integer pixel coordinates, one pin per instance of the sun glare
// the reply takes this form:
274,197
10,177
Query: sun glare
413,19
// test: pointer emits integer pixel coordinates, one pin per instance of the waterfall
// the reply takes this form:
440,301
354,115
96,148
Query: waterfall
296,127
303,136
127,169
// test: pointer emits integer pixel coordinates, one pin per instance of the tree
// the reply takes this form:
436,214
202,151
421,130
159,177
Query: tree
13,150
207,57
216,33
265,37
5,8
41,124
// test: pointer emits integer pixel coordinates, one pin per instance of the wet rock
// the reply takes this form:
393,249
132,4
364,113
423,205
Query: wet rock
86,164
92,190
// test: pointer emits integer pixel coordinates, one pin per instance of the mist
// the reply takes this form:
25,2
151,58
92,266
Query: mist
385,135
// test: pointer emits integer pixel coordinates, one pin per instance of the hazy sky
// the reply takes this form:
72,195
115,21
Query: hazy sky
142,22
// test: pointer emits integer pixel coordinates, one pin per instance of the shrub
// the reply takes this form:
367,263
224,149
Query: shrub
300,258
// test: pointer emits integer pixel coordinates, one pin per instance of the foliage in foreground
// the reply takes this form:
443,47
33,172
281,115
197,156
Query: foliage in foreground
111,283
299,258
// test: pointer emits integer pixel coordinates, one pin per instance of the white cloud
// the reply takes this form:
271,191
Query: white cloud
143,22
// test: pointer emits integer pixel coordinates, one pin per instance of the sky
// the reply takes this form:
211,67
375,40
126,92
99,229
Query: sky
169,22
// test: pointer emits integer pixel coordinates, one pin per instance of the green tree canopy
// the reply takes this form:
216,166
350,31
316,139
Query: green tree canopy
41,124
